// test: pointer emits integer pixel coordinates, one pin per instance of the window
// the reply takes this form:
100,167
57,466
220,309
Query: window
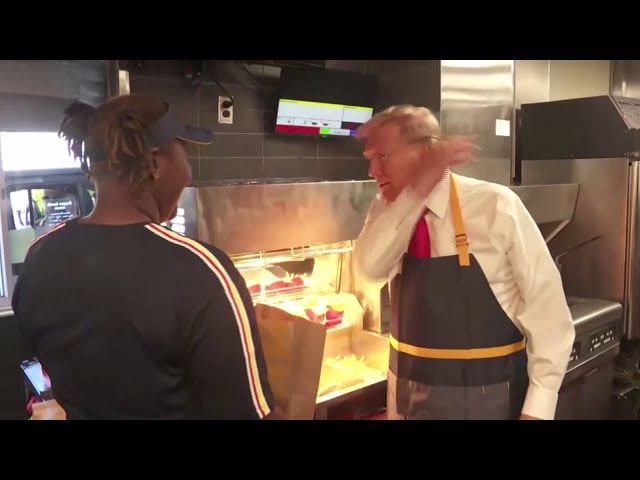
36,209
29,151
44,187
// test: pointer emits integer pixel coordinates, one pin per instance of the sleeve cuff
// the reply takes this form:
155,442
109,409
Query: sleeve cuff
540,403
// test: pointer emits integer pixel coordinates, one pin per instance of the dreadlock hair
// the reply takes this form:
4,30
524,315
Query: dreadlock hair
111,138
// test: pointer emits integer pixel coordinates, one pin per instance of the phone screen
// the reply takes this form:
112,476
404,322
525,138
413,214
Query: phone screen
38,378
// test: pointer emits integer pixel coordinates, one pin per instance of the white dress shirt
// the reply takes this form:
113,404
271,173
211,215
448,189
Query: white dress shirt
513,255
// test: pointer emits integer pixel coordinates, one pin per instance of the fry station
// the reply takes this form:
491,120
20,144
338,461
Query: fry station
292,244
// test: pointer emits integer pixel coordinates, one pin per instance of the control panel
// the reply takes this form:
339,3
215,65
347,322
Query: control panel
598,327
575,352
601,339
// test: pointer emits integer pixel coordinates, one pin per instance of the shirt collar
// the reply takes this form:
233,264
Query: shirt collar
438,200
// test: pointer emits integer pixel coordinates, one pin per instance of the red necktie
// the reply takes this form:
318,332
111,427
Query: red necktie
420,245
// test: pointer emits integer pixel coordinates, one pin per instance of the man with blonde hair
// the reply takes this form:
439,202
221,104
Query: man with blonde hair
480,325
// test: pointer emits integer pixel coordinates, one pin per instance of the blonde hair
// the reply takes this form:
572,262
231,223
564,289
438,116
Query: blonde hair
416,123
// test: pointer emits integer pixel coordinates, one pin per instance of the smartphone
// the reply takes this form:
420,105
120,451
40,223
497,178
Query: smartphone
37,379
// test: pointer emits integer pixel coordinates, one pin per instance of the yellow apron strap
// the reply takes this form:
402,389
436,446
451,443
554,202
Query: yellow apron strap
457,354
462,245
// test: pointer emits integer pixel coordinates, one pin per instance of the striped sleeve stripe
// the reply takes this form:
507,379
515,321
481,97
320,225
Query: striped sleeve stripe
242,320
54,229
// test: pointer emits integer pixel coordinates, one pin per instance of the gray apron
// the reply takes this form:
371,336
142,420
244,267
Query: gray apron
455,354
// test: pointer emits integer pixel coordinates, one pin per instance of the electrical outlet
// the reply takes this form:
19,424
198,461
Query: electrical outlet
225,115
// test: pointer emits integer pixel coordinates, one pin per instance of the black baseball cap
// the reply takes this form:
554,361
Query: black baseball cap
170,127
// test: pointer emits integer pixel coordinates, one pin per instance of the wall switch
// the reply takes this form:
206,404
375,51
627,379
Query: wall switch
225,112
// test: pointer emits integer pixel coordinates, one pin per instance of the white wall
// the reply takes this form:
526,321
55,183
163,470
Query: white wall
579,78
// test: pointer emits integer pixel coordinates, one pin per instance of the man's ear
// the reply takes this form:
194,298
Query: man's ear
155,152
425,152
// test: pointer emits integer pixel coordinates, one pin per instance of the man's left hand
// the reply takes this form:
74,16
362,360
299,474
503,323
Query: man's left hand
528,417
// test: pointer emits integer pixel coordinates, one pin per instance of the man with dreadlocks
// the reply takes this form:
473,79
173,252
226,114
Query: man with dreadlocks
130,320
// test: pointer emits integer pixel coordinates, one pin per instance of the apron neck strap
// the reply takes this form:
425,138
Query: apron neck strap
462,245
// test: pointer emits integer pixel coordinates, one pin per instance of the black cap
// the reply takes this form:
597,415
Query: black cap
171,127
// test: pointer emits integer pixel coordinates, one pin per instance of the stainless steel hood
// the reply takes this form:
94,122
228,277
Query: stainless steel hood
551,206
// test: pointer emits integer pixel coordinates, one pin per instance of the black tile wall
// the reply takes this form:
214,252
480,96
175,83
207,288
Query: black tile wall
248,149
415,82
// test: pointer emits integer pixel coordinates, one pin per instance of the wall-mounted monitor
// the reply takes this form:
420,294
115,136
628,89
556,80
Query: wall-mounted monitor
323,102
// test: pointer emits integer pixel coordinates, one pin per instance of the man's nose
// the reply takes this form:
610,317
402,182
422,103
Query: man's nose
374,167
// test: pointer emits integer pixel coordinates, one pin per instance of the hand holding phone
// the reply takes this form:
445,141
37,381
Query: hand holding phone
37,379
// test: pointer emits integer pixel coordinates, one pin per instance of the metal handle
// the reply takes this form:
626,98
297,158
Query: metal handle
591,372
575,247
